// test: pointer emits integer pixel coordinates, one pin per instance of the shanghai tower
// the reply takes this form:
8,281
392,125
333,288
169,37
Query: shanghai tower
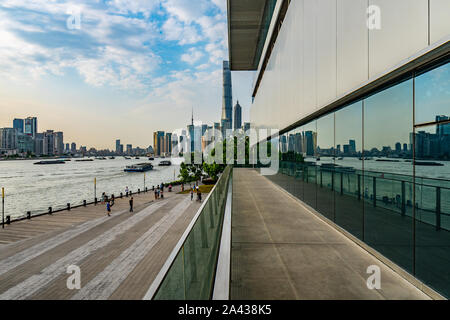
227,103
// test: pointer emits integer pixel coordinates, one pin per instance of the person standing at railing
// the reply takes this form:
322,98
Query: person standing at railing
131,204
108,209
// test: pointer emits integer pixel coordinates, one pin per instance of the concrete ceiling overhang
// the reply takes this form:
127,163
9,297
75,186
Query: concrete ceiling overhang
245,23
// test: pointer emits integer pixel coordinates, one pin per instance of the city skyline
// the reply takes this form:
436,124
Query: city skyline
161,57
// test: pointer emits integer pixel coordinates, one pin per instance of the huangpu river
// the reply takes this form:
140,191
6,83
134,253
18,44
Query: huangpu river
34,188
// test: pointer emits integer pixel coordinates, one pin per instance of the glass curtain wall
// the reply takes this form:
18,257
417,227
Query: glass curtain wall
380,168
432,177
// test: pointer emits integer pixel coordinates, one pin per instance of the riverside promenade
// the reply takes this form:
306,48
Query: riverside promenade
118,256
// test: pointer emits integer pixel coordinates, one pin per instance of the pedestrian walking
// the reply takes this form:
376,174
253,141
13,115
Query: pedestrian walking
199,195
131,204
192,194
103,198
112,200
162,194
108,209
156,194
182,187
126,190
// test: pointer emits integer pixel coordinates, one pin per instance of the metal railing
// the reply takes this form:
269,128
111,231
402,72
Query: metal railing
189,272
395,192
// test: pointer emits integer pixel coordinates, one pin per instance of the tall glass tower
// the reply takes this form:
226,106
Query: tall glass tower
227,103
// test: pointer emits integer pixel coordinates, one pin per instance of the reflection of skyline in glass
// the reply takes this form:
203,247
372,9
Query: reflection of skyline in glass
433,94
432,142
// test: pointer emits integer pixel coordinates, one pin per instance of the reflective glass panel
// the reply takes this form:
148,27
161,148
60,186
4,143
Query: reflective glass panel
348,176
388,123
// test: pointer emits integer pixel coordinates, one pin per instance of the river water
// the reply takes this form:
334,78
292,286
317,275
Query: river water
34,188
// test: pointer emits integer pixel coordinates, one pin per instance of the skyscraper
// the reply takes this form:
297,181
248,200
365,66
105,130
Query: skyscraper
237,116
227,102
73,147
18,124
158,142
59,143
442,129
31,126
48,143
118,146
129,149
8,138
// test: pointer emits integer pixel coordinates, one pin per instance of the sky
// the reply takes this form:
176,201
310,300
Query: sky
102,70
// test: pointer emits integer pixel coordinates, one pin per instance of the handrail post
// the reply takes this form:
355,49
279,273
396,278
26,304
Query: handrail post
342,183
359,187
438,208
374,191
403,199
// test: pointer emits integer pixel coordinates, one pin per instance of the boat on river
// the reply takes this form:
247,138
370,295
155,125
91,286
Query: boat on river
165,163
140,167
50,162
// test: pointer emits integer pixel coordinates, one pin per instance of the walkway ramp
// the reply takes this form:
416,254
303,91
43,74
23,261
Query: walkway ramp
281,250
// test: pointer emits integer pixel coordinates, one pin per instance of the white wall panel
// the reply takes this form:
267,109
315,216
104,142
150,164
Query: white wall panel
404,32
439,20
326,52
352,44
310,56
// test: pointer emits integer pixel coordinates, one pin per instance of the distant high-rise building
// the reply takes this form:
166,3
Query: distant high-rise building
59,143
18,124
442,129
31,126
237,116
246,126
158,142
49,143
73,147
405,147
352,144
8,138
129,149
168,143
118,146
67,147
227,102
39,144
398,147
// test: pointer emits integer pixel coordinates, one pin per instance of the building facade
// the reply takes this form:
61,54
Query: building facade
30,126
345,88
8,138
18,124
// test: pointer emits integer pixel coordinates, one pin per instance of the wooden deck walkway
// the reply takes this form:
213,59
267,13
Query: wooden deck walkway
119,256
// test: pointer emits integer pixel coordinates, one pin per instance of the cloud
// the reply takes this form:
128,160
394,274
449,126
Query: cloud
175,30
192,56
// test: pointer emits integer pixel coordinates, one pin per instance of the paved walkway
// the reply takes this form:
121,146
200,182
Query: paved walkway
280,250
119,256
